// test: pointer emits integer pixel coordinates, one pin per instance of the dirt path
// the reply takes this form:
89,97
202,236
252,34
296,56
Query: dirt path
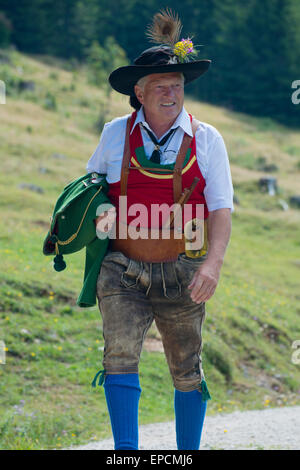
269,429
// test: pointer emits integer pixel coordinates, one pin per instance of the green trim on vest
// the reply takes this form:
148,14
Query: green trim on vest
143,161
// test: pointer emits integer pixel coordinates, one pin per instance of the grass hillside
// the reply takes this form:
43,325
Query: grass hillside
54,348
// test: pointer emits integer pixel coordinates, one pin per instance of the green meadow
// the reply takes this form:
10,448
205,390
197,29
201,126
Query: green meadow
53,348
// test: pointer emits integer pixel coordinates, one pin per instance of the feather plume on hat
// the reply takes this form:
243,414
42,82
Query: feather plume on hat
165,28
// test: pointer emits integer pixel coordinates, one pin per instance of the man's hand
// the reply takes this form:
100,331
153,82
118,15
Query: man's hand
204,282
106,220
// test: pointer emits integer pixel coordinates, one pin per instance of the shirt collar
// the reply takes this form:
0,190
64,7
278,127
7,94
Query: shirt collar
183,121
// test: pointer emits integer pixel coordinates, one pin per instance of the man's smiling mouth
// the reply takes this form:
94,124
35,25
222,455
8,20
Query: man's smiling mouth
168,104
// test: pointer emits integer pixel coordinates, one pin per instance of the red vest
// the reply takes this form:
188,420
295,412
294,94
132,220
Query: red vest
154,187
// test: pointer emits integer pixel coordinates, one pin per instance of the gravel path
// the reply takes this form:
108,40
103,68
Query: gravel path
269,429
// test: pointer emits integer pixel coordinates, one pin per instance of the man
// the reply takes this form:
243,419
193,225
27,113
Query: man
150,157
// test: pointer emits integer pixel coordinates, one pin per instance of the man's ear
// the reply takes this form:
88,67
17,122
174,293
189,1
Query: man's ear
139,93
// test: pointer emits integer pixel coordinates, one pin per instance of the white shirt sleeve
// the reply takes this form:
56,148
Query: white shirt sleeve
218,191
98,161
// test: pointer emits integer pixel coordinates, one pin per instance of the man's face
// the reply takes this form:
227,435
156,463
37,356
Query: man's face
162,95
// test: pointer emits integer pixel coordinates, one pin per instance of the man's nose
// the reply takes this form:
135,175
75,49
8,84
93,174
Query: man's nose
169,91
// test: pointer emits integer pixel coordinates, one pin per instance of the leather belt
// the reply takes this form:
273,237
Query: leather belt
153,249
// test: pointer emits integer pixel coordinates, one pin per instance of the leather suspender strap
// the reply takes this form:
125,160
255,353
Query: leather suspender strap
177,177
125,162
186,142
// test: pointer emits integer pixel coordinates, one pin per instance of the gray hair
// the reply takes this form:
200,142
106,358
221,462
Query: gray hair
142,81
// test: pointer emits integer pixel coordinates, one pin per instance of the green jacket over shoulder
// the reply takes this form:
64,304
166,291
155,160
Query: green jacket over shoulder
73,228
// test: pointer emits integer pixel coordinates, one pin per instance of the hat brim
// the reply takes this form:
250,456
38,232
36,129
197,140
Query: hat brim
123,79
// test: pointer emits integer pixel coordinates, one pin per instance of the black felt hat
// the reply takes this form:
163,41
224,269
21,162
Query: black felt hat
157,59
171,55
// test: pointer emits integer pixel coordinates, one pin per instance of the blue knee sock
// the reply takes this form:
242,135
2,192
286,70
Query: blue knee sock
122,392
189,415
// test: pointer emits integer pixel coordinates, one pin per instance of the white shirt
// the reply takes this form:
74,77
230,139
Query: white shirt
211,155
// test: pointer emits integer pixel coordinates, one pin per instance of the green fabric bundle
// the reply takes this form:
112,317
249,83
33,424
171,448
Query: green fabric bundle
73,228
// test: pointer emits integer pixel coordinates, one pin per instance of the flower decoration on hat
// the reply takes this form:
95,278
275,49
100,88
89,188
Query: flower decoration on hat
165,30
185,49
